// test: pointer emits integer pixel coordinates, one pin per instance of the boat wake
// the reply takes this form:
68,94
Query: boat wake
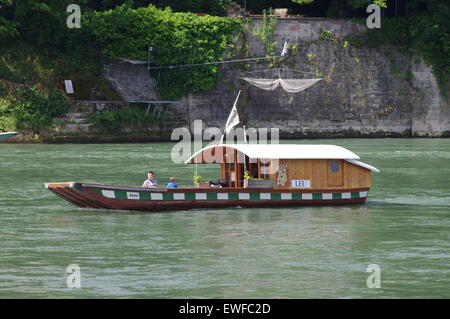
412,201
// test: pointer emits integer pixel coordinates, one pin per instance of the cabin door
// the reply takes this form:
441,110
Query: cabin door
335,173
230,168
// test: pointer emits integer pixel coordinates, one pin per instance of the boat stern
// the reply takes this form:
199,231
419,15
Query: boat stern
74,194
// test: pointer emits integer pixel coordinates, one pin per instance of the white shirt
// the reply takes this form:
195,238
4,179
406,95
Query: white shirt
150,183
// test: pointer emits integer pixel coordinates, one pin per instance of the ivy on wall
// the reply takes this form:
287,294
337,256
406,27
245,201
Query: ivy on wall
425,35
266,30
179,38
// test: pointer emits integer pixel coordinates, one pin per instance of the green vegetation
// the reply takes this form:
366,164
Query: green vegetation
179,38
266,30
29,108
114,121
38,50
197,178
363,3
426,35
38,35
213,7
326,34
316,8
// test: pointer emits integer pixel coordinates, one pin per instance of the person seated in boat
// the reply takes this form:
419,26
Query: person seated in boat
218,183
172,183
150,182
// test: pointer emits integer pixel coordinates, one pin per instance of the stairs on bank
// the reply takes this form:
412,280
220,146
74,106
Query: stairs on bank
76,119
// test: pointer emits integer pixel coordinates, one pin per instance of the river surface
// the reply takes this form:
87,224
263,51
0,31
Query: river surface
231,253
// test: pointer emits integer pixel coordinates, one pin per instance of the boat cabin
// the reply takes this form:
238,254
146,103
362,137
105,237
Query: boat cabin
286,166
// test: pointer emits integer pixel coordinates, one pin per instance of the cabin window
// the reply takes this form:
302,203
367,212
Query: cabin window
334,166
264,168
230,174
254,170
335,174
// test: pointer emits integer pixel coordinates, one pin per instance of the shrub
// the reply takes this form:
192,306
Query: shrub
114,121
31,108
325,34
179,38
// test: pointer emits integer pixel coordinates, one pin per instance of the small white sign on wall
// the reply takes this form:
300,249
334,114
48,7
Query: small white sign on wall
301,183
69,86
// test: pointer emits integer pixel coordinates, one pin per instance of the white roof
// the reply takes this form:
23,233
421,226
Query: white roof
283,151
369,167
6,135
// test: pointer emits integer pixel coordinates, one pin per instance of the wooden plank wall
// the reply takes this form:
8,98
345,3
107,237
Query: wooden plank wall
319,173
321,176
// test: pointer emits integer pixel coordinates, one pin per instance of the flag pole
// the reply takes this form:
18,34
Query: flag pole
245,161
245,135
196,166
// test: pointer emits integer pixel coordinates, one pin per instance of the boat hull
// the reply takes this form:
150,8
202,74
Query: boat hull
169,199
6,135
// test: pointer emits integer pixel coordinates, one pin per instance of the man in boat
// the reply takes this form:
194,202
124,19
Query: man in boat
172,183
150,182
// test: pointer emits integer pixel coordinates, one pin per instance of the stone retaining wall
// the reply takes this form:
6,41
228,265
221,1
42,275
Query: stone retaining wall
366,92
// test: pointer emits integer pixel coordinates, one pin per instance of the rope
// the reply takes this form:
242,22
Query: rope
280,69
208,63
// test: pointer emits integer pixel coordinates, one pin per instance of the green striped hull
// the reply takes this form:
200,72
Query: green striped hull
224,196
168,199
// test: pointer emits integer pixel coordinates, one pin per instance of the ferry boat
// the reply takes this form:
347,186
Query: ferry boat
252,175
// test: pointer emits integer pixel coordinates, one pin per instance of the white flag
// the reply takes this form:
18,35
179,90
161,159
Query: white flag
233,119
285,49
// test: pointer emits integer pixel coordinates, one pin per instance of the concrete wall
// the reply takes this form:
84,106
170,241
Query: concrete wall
131,81
367,92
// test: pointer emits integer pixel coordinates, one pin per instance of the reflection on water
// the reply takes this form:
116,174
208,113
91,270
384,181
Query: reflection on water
307,252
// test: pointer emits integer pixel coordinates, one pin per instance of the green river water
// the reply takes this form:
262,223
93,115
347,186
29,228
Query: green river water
300,252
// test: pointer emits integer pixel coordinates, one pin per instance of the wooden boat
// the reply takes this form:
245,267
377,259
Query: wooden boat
276,175
6,135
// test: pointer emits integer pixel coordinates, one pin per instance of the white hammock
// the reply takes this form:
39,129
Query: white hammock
289,85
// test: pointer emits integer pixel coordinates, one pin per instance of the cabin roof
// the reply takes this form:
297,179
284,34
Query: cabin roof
364,165
280,151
